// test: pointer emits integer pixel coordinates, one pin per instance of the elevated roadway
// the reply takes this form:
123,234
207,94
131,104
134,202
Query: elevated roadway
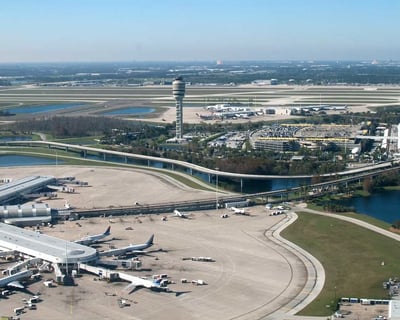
209,204
189,166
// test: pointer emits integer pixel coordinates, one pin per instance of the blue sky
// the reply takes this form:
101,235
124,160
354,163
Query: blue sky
160,30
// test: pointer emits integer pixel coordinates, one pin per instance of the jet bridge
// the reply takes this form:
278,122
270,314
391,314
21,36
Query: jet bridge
19,266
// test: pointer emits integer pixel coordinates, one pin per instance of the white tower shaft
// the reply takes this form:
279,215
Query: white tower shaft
178,91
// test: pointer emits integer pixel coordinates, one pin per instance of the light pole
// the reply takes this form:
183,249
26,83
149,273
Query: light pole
216,190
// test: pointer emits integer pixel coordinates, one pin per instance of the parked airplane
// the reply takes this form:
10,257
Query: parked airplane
136,282
239,211
67,205
180,214
90,239
131,249
12,281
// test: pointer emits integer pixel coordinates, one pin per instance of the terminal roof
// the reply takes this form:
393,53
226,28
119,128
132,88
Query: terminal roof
42,246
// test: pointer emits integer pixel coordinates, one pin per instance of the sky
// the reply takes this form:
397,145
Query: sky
202,30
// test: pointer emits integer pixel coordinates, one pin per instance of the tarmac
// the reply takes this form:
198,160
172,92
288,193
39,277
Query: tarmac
256,274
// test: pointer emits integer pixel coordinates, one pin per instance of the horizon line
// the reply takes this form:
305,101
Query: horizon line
200,61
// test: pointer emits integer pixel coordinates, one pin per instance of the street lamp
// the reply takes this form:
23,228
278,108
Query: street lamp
216,190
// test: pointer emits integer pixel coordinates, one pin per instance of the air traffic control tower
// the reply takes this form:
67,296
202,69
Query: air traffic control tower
178,90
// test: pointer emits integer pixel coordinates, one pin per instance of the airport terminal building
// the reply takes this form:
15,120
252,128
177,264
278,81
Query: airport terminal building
50,249
14,189
24,215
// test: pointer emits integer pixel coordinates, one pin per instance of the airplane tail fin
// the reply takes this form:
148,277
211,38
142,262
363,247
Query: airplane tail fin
107,232
150,241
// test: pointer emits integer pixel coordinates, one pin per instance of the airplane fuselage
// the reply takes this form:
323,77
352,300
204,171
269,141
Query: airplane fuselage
6,281
128,249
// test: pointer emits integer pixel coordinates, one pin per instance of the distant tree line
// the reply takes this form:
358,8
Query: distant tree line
73,127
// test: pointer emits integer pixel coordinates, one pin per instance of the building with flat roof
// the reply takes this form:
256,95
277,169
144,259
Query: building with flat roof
51,249
13,190
26,215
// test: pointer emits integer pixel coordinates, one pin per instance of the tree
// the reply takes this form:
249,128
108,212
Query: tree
368,185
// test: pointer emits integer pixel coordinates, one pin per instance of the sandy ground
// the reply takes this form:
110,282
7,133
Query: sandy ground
251,276
111,187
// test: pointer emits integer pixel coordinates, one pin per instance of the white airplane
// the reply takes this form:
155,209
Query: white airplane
136,282
12,281
133,248
90,239
67,205
180,214
239,211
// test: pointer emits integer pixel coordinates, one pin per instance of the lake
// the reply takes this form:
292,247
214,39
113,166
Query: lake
43,108
382,205
18,161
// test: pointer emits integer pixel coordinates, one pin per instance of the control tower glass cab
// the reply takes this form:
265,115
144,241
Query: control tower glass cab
178,91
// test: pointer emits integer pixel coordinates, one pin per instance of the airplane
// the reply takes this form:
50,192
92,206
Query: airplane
67,205
12,281
90,239
131,249
136,282
180,214
239,211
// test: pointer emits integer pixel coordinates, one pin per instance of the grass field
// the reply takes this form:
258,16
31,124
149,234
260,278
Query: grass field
351,256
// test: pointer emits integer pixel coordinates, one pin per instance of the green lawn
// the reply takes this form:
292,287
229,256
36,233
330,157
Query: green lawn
359,216
351,256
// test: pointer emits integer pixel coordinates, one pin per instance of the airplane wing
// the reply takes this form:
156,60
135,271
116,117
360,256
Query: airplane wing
140,284
137,282
16,284
130,287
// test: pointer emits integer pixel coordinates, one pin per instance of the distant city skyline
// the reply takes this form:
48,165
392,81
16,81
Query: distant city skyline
206,30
